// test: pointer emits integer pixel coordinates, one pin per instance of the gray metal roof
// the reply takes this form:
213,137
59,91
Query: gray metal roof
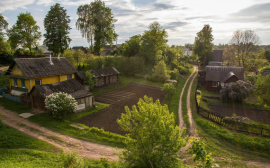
219,73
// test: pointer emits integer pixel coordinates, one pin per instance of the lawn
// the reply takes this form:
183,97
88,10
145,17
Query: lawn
92,134
14,106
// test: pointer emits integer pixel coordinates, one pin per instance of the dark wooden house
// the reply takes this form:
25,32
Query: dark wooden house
83,97
218,76
104,76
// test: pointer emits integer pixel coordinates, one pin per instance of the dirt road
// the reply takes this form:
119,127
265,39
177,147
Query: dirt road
83,148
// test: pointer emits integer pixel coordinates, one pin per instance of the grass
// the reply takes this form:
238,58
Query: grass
4,80
14,106
91,134
174,104
125,80
228,147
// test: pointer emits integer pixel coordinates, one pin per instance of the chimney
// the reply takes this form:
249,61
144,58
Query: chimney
51,60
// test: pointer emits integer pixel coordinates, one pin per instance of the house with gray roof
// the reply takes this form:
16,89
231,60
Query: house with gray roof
218,76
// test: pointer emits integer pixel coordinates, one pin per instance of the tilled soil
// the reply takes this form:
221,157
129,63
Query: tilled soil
127,96
255,115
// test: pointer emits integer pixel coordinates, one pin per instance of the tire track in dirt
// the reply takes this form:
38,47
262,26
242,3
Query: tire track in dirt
83,148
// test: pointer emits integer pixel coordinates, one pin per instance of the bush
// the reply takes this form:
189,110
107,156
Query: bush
183,70
160,72
205,100
173,74
236,91
139,76
60,104
199,92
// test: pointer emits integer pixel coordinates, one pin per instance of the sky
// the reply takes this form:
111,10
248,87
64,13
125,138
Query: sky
182,19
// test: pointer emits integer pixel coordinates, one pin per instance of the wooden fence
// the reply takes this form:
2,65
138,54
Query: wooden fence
241,127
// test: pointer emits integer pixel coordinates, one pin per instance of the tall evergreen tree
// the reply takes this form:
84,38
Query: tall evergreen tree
24,32
57,28
203,45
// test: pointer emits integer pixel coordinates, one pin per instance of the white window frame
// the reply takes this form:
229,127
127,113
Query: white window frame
69,76
40,83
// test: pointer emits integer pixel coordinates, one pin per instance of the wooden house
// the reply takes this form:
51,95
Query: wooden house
24,73
264,73
218,76
104,76
83,97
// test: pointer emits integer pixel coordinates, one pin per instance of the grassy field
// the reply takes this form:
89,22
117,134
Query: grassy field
229,148
14,106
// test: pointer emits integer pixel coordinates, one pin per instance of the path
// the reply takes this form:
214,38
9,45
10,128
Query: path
83,148
180,113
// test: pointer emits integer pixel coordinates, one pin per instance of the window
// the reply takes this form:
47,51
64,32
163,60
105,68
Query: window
214,84
15,82
38,82
69,76
23,83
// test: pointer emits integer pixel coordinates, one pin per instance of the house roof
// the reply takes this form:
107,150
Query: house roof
99,72
71,86
217,55
228,76
110,48
39,67
219,73
264,73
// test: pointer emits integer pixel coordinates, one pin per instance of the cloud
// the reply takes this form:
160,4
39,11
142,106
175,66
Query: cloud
45,2
14,4
175,25
255,13
162,6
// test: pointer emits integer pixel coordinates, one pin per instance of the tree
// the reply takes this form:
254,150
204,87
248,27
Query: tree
203,45
3,25
24,32
56,24
131,47
241,47
89,79
60,104
153,40
97,19
160,72
169,89
262,90
153,138
236,91
85,23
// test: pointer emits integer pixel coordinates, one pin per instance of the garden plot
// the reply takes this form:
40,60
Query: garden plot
253,114
126,96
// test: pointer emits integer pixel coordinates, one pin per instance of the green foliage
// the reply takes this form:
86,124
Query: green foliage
153,138
56,24
203,46
24,32
205,100
131,47
262,89
103,22
199,153
3,25
199,92
153,40
71,159
14,106
267,55
236,91
60,104
89,79
183,70
131,66
139,76
168,89
160,72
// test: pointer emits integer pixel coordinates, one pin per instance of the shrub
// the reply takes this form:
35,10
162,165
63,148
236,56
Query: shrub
204,99
199,92
183,70
139,76
60,104
236,91
168,89
160,72
173,74
71,159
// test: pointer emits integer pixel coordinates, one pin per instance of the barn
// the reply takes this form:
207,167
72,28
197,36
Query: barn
83,97
218,76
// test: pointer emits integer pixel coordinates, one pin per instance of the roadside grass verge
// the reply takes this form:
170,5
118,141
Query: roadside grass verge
14,106
13,139
125,80
92,134
174,104
229,147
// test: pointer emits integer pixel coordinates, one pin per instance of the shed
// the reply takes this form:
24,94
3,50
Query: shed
218,76
104,76
83,97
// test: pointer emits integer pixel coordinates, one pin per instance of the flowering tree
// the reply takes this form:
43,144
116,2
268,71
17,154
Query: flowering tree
60,104
236,91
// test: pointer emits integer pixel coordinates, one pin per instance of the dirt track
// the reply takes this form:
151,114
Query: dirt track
83,148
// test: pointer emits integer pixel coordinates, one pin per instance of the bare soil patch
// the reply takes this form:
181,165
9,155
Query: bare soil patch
126,96
253,114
